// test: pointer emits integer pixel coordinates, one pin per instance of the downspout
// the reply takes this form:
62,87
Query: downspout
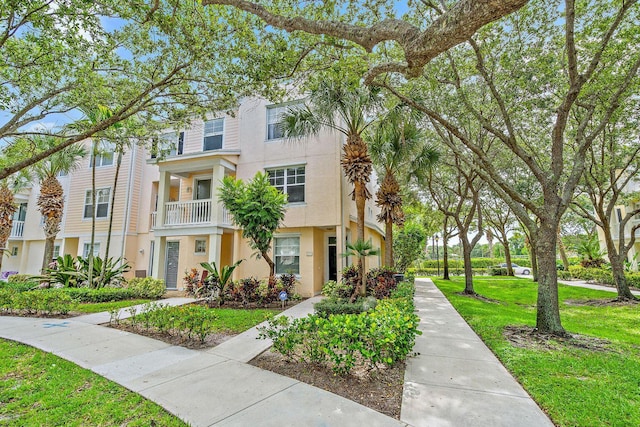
342,226
127,211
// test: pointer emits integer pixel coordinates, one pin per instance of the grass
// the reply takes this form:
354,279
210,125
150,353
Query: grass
39,388
106,306
239,320
576,387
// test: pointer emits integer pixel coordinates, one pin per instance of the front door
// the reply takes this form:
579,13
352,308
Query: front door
171,271
333,258
203,189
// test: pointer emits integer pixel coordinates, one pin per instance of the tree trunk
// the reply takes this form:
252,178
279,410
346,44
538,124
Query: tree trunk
1,256
468,270
490,242
563,252
93,215
113,201
272,266
361,201
548,313
49,243
617,269
507,254
533,257
445,257
388,242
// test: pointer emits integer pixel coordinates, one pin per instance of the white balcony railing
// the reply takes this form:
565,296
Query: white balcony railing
17,229
187,213
191,212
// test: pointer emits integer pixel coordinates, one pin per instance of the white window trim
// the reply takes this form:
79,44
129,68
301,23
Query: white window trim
285,167
285,235
95,245
266,116
108,205
100,155
204,133
195,248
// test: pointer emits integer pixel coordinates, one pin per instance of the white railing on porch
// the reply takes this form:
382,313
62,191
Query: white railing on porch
17,229
188,212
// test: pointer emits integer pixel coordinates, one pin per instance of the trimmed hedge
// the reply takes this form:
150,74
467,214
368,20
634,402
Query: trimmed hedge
384,335
417,272
602,276
147,287
84,295
18,286
44,302
328,306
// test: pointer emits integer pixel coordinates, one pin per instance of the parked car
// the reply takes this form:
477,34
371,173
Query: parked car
517,269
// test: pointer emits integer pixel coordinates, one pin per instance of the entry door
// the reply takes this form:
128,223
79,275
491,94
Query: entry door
333,258
171,270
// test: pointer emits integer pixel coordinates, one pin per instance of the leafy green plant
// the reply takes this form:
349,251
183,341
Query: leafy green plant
102,273
87,295
361,250
43,301
147,287
19,278
63,271
217,281
337,290
328,306
383,335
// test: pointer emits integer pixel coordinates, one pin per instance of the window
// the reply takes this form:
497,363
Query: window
290,181
172,143
87,246
274,118
287,255
213,130
21,213
14,251
56,251
201,246
105,154
102,203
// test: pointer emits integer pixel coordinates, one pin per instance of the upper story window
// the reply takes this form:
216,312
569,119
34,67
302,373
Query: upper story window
104,157
290,180
87,248
102,203
21,213
213,132
274,118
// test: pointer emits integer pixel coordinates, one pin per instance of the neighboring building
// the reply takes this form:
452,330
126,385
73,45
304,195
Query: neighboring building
619,213
168,217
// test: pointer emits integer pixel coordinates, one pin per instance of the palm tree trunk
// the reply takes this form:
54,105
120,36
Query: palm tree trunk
49,243
388,238
113,200
93,215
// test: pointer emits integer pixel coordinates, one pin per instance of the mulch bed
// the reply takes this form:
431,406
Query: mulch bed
529,337
380,391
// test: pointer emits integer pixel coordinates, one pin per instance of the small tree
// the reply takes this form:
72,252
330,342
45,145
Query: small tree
360,249
258,208
408,245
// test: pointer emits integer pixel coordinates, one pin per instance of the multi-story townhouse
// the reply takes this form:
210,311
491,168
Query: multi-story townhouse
168,217
618,215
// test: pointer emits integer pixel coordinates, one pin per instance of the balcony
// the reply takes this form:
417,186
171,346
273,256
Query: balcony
17,230
190,213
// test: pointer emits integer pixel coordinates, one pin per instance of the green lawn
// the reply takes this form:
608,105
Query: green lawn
239,320
40,389
106,306
576,387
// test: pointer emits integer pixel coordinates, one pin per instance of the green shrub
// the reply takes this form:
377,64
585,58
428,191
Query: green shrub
187,321
147,287
88,295
497,271
336,290
328,306
564,275
405,290
19,286
380,282
42,301
384,335
20,278
452,271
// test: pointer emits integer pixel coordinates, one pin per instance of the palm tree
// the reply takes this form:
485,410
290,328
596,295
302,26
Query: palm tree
361,249
348,110
8,187
51,198
398,150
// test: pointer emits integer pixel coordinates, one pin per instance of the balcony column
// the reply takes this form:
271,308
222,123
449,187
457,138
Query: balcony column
215,246
159,257
217,174
164,186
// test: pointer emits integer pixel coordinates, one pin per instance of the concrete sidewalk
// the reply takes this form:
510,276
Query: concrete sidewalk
203,388
455,380
583,284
